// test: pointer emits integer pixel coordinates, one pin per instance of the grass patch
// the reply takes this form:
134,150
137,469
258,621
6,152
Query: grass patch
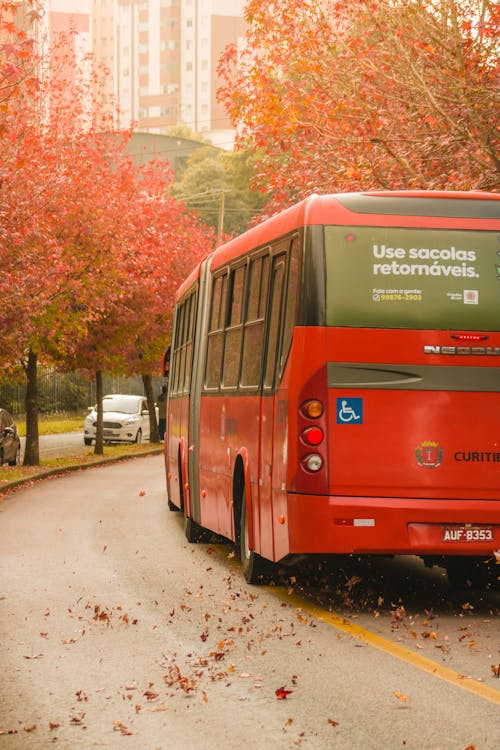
52,425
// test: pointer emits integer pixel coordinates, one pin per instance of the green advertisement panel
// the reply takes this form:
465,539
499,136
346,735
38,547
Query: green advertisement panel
386,277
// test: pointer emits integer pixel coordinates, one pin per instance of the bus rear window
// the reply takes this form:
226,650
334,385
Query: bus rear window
386,277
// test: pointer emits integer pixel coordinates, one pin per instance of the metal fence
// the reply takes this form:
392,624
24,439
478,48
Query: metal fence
67,393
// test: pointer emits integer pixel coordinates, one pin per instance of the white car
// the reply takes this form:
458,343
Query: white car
125,420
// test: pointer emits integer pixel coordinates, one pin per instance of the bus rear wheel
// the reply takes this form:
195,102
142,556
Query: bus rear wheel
255,567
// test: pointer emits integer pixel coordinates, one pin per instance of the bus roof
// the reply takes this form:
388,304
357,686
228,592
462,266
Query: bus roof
468,209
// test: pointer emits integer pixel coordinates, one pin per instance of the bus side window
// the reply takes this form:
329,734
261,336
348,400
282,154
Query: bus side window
274,322
181,354
188,343
253,340
182,348
176,360
216,332
234,330
291,302
166,363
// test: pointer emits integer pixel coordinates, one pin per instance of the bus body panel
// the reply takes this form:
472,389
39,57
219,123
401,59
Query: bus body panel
407,444
233,426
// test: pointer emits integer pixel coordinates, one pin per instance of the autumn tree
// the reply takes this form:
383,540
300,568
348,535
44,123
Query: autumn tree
18,59
367,94
155,245
217,185
166,242
60,151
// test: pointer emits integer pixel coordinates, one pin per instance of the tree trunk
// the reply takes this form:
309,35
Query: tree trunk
32,448
99,440
154,435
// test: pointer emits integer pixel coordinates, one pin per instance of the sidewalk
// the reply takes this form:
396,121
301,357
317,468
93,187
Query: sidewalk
39,473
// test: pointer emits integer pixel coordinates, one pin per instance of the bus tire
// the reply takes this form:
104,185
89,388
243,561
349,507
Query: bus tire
255,567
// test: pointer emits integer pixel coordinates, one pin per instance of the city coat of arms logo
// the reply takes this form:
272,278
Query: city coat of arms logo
429,454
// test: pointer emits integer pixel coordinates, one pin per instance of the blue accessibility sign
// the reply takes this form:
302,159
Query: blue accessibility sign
349,410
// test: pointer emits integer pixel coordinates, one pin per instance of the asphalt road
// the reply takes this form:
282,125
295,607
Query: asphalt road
115,632
54,446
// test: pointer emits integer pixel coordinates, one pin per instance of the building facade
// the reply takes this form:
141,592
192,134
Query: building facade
162,56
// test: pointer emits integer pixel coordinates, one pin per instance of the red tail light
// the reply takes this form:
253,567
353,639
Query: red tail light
312,435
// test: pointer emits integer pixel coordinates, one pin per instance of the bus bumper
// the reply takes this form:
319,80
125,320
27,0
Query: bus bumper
380,525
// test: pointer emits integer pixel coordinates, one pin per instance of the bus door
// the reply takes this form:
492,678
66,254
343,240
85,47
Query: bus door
196,374
273,418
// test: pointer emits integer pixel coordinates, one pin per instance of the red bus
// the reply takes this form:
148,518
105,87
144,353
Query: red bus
335,383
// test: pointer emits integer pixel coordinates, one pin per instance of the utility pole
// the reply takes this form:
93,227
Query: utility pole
220,222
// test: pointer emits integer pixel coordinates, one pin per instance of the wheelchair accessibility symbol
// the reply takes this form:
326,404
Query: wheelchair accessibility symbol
349,411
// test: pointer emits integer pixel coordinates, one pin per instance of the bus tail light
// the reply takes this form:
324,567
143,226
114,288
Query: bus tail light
469,337
313,462
312,435
312,409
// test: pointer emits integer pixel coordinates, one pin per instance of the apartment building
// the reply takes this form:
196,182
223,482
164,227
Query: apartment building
163,55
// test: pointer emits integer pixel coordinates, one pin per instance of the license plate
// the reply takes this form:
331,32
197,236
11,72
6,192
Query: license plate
467,534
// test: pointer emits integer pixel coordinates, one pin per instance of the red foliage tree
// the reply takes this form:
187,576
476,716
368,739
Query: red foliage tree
158,243
367,94
83,236
18,60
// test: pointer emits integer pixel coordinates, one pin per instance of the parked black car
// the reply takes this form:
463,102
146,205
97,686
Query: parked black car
10,444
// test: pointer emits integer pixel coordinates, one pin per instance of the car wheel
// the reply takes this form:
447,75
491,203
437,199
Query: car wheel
87,441
138,437
17,458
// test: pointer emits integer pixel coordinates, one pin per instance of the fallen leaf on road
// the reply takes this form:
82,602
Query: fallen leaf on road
119,727
400,697
495,668
281,693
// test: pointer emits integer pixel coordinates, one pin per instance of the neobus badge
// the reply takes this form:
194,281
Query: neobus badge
487,351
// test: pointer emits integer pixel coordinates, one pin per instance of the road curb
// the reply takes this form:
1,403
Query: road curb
10,487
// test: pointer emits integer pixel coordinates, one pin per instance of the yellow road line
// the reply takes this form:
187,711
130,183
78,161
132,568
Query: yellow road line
366,636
